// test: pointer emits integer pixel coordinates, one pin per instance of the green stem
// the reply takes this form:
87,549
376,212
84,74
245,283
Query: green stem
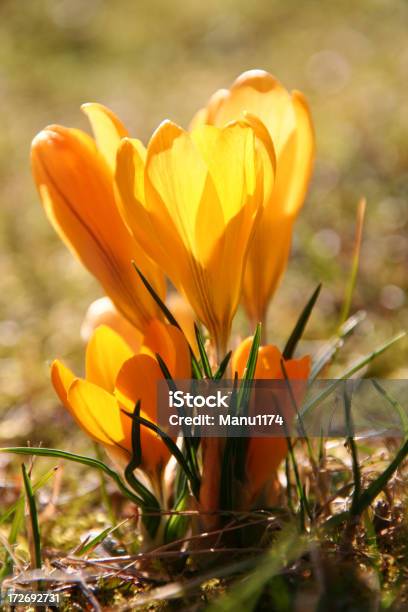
35,528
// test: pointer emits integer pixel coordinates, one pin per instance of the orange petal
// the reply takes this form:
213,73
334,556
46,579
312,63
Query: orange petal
170,343
137,380
106,352
107,128
62,378
98,413
184,315
76,189
298,369
103,312
268,362
130,197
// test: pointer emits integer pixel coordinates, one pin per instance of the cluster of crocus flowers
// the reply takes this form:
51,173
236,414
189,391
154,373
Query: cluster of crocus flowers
210,209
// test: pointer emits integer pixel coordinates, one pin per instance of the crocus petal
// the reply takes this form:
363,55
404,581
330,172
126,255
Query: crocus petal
304,154
61,378
105,354
103,312
268,362
99,414
107,128
76,189
184,315
208,114
258,93
100,425
298,369
137,380
170,343
130,196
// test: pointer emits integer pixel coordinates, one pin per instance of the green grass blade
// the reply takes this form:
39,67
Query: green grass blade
98,539
288,485
18,520
88,546
170,318
88,461
304,503
36,487
166,373
250,368
379,484
136,459
16,526
229,464
355,261
353,449
223,366
177,524
35,527
395,405
335,343
239,448
203,353
299,328
361,363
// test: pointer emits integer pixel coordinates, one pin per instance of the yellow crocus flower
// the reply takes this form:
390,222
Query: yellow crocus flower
193,200
264,454
115,379
74,176
287,119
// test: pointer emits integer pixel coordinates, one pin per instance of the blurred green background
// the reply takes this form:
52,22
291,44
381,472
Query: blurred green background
158,59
